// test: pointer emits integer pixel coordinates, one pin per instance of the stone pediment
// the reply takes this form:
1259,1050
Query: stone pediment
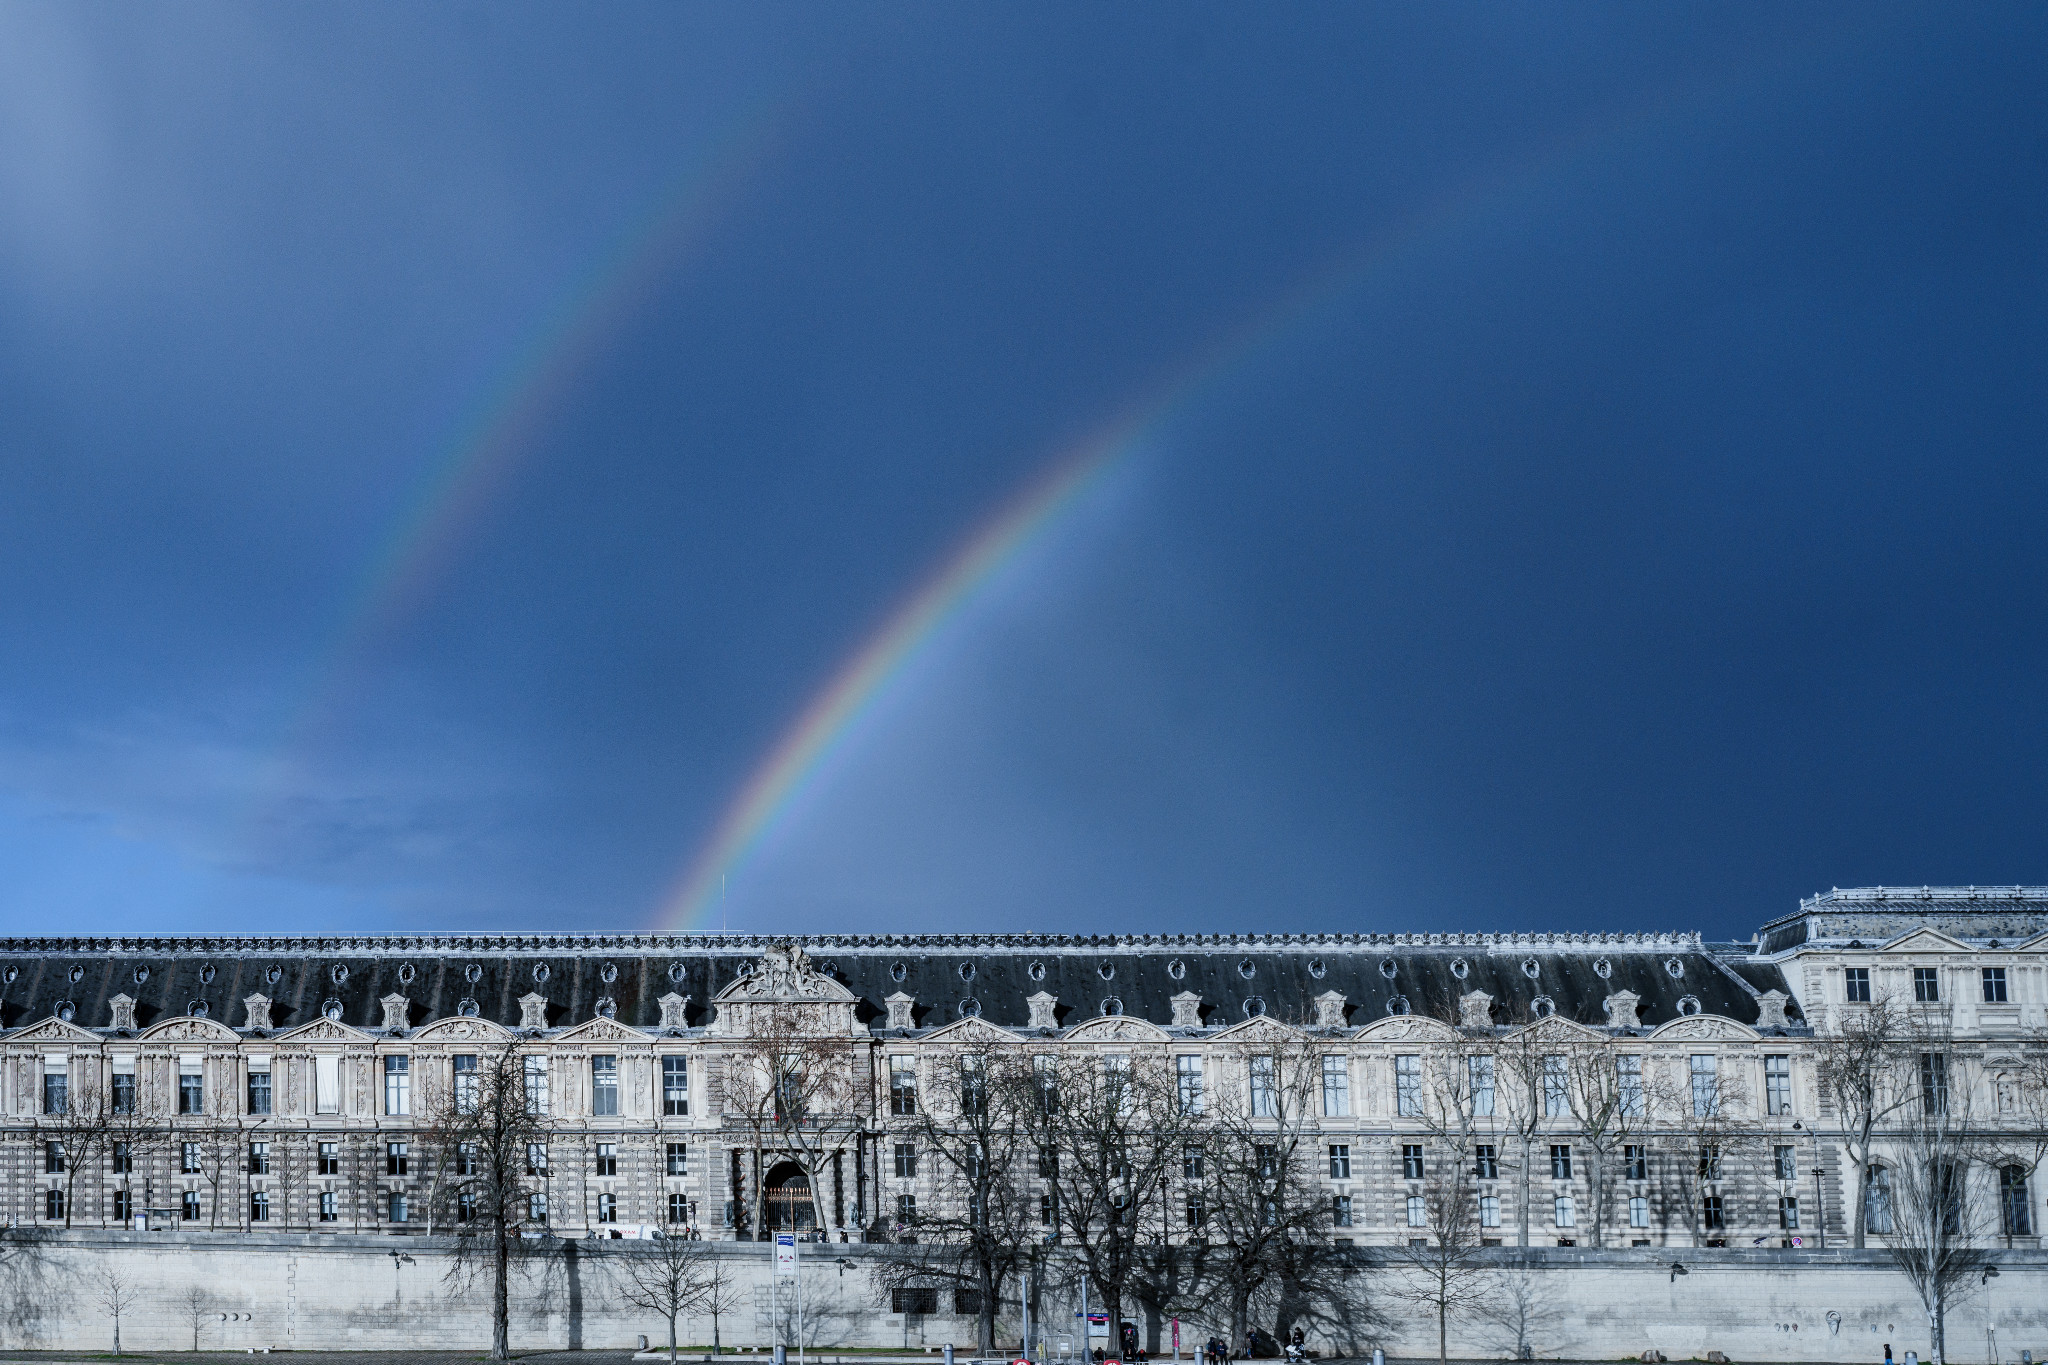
784,974
971,1030
1259,1029
462,1029
51,1030
1405,1028
1926,941
603,1030
1561,1031
324,1030
1115,1028
190,1029
1704,1028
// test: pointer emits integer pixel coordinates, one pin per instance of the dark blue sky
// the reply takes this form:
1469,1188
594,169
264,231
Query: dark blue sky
1632,513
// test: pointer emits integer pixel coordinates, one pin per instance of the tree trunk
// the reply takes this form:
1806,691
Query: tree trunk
501,1334
1862,1200
1528,1155
671,1339
986,1328
1443,1331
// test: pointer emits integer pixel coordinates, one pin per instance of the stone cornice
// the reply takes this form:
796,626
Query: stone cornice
377,945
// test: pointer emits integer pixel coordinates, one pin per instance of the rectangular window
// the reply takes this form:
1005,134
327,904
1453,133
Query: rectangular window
607,1158
1638,1211
124,1206
678,1158
1411,1161
1191,1163
1560,1161
1265,1095
1418,1216
1786,1158
607,1208
466,1159
1266,1161
466,1082
902,1085
2015,1208
675,1085
1340,1161
1712,1215
1563,1213
1856,985
1485,1162
1788,1212
259,1206
535,1076
1556,1092
1927,985
259,1092
604,1086
906,1209
536,1208
1628,1084
1489,1210
259,1158
53,1203
398,1085
1635,1163
678,1207
465,1206
328,1209
906,1161
1194,1209
124,1092
1777,1084
1187,1078
1933,1083
918,1302
1408,1086
188,1206
1046,1209
1710,1162
326,1083
57,1093
1706,1089
1994,985
124,1159
188,1158
330,1158
1336,1087
1048,1163
191,1093
1479,1073
1340,1210
536,1158
400,1209
397,1160
53,1158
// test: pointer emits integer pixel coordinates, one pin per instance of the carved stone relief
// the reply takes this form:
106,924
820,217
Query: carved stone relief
1621,1009
1187,1010
1475,1010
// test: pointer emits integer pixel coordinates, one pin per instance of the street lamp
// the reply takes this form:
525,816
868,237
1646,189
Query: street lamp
1820,1208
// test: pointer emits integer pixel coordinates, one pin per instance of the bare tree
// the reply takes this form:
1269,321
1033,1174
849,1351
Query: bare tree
973,1124
1519,1061
116,1294
1712,1130
1256,1153
1604,1090
492,1122
671,1275
1860,1068
1440,1270
1931,1226
1112,1132
1521,1309
222,1152
74,1139
198,1308
2015,1148
790,1082
721,1296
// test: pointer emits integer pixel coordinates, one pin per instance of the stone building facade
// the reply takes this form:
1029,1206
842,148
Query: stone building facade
281,1081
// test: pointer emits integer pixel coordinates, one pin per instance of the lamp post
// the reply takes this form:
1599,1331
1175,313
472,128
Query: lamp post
1820,1208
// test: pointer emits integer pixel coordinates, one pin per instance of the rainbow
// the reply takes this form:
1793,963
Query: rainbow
483,443
852,692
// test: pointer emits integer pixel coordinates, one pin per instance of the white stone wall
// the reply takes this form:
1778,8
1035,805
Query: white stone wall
313,1293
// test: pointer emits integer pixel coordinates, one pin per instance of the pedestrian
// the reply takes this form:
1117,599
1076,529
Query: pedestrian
1887,1353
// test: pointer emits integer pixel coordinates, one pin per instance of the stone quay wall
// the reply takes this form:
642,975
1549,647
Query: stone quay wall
310,1292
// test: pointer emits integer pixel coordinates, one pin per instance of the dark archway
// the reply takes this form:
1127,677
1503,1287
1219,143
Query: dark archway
788,1191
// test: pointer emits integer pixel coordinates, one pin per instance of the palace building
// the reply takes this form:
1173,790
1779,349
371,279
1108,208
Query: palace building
308,1061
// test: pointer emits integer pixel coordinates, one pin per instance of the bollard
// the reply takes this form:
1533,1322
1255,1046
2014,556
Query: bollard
1379,1357
781,1354
949,1353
